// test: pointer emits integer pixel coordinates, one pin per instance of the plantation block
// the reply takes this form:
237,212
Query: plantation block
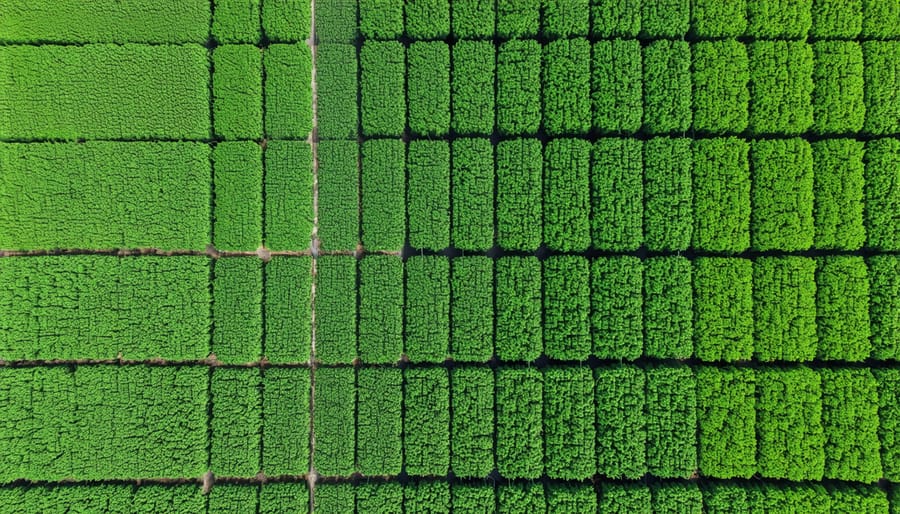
668,214
617,194
721,195
236,421
624,498
520,404
237,182
472,184
336,314
888,380
472,423
665,18
884,306
569,433
379,421
784,308
284,496
336,22
882,194
334,422
781,85
380,19
838,99
382,91
431,497
428,194
286,415
472,308
782,195
426,421
723,309
566,204
676,498
789,436
236,21
519,194
237,288
563,498
146,498
380,309
724,497
519,87
850,423
836,19
789,497
564,18
667,87
379,497
383,193
566,93
720,75
718,18
472,499
881,19
842,308
428,80
779,19
472,19
102,91
668,308
518,335
615,18
880,95
237,92
289,195
338,180
427,19
518,18
726,416
286,20
288,72
521,498
838,185
616,86
234,498
427,309
335,497
472,87
671,421
858,498
567,308
621,424
336,82
617,320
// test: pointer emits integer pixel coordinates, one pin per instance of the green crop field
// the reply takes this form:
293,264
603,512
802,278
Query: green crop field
432,256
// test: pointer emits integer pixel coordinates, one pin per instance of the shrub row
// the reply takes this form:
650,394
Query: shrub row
288,72
237,91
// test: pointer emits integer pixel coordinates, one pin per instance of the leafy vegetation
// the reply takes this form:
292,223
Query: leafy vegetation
842,308
784,308
518,18
472,19
720,76
519,87
621,423
880,93
237,92
836,19
286,20
668,308
472,184
336,309
288,102
518,202
427,19
726,416
617,194
567,308
518,335
668,213
665,18
472,87
520,406
289,195
336,82
382,87
236,421
383,192
428,81
671,421
615,18
564,18
472,309
617,307
723,309
782,195
338,185
379,421
884,306
286,413
667,83
569,433
336,21
781,84
882,194
838,106
427,309
838,184
616,90
850,424
771,19
237,21
566,93
426,421
380,309
566,204
721,190
237,294
472,423
334,419
428,194
717,18
380,19
237,183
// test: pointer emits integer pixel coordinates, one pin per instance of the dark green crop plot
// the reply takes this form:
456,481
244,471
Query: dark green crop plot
676,498
842,309
383,193
882,194
520,403
838,106
668,308
784,308
336,81
779,19
850,423
472,423
472,499
839,19
671,410
519,194
335,497
720,75
428,194
888,381
336,21
718,18
566,204
426,421
334,419
790,439
615,18
98,307
571,498
237,92
427,497
617,194
105,21
236,21
237,183
278,497
382,90
668,213
380,309
427,309
566,92
617,319
882,83
103,498
667,86
234,498
521,498
881,19
102,195
723,309
338,180
518,18
471,308
336,309
379,498
472,87
721,195
428,81
427,19
569,433
379,421
616,89
564,18
236,421
781,86
665,18
726,416
782,195
519,87
103,422
884,306
286,20
381,19
472,19
625,498
288,106
289,195
858,498
838,185
518,335
621,423
237,309
286,415
788,498
567,308
472,186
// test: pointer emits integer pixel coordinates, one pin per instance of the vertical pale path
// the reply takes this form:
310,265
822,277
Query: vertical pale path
314,250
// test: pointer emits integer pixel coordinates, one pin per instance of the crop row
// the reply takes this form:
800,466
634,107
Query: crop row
108,195
154,21
723,195
761,19
616,421
143,308
619,86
